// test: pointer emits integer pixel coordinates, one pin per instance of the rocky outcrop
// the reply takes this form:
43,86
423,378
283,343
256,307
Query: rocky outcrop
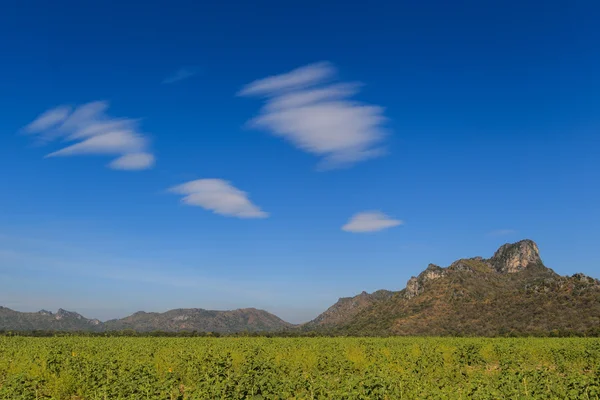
508,259
416,284
68,314
471,265
511,258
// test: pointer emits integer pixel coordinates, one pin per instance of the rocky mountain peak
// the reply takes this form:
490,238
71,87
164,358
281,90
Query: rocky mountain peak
61,313
509,258
513,257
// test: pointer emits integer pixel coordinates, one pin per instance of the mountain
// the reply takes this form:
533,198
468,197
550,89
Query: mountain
512,292
195,319
63,320
347,308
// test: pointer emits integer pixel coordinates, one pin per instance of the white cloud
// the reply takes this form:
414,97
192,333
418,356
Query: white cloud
318,117
49,119
114,142
310,96
180,74
133,161
94,132
220,197
296,79
370,221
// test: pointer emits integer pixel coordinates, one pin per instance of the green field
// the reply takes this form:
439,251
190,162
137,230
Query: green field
298,368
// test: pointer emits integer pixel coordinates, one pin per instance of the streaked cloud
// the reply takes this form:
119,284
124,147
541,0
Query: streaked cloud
220,197
502,232
317,116
370,221
92,131
300,78
49,119
180,74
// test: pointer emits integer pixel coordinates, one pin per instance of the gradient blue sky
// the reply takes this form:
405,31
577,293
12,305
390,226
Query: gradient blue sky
492,124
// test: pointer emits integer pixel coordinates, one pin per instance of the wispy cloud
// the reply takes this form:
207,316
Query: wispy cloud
94,132
300,78
502,232
317,116
220,197
49,119
370,221
180,74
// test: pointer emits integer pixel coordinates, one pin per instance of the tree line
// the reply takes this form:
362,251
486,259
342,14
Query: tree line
593,332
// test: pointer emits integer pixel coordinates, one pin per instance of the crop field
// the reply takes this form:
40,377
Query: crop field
73,368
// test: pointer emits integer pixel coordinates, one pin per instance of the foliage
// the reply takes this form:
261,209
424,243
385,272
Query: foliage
77,368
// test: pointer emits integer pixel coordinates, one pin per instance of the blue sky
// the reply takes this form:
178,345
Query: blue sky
281,156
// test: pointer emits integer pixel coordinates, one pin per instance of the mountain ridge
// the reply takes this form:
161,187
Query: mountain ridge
511,292
189,319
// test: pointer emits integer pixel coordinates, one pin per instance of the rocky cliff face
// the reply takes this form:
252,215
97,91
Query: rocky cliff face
416,285
508,259
64,314
515,257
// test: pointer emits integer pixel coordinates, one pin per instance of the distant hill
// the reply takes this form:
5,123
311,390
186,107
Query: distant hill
194,319
246,319
510,293
45,320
